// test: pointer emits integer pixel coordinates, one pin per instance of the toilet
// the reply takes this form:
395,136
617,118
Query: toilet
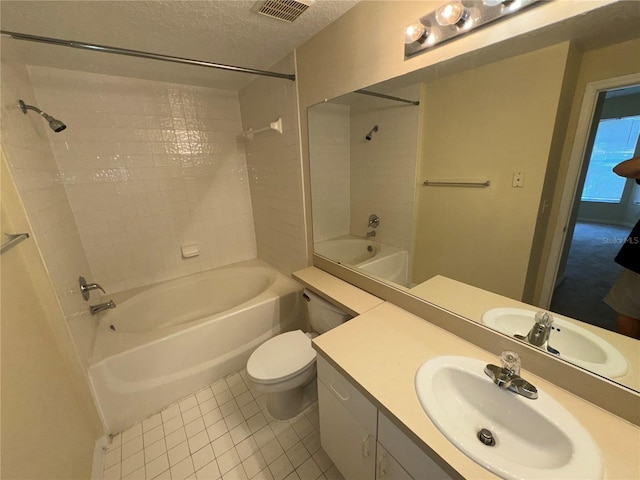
284,367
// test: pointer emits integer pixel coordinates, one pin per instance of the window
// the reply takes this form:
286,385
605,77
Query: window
615,141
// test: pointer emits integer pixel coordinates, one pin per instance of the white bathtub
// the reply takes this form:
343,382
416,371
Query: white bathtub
375,258
169,340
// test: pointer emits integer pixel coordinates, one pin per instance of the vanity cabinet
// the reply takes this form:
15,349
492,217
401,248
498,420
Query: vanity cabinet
348,424
361,441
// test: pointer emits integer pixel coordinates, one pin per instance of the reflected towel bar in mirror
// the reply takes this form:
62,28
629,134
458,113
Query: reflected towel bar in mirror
432,183
14,239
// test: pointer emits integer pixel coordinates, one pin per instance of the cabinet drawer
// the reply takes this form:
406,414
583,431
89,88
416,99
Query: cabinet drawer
417,463
354,401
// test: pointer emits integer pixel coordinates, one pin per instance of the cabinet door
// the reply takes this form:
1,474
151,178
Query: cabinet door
414,460
387,468
349,445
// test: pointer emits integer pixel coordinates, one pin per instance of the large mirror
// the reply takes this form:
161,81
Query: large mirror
462,181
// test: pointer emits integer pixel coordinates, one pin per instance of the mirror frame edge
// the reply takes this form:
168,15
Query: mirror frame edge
613,397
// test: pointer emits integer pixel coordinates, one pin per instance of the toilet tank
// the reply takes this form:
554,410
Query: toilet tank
323,315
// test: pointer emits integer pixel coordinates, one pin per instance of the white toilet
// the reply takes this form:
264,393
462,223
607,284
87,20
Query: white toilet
284,366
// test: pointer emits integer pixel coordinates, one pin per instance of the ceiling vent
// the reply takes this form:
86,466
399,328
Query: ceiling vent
285,10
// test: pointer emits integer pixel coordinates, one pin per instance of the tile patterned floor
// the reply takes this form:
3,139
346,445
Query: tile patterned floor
221,432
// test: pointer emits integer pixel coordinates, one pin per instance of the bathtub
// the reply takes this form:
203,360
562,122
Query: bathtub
164,342
375,258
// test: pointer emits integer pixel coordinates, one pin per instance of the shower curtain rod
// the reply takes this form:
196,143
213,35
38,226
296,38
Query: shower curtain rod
388,97
141,54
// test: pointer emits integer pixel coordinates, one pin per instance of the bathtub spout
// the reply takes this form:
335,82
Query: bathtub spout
101,307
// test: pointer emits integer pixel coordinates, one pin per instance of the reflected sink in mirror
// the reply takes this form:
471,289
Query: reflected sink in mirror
575,344
533,438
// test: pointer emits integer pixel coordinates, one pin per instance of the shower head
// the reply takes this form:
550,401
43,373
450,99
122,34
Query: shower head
56,125
370,134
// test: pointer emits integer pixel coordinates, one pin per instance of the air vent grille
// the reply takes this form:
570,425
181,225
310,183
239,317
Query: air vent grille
285,10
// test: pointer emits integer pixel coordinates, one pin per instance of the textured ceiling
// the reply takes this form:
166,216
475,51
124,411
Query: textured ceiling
225,32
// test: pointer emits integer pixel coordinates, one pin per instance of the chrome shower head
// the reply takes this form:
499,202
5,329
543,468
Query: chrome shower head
370,134
56,125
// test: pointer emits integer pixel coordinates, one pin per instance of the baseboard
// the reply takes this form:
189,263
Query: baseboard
97,466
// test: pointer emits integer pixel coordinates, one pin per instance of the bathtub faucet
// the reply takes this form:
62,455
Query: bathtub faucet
101,307
372,233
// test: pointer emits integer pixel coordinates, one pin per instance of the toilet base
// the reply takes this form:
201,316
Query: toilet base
286,405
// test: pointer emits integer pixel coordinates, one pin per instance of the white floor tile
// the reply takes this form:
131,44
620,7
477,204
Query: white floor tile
202,457
221,432
198,441
153,435
297,454
178,453
131,447
156,466
194,427
228,460
209,472
174,438
281,467
182,470
154,450
132,463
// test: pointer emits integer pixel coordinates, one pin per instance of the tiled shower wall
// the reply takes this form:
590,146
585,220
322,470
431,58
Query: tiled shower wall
25,144
329,151
383,170
149,166
275,169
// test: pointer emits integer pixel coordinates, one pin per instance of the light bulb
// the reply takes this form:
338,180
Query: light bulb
451,14
416,32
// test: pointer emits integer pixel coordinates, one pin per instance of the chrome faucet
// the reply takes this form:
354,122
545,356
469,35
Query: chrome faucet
539,334
374,221
85,288
508,376
101,307
371,234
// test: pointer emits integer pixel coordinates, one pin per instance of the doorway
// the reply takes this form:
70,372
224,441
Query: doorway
604,210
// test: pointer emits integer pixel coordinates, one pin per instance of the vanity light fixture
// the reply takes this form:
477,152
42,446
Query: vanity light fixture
455,18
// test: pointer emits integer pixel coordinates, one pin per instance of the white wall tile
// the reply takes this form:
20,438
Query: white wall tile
148,166
275,171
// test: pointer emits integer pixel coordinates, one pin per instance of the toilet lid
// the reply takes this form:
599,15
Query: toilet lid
281,357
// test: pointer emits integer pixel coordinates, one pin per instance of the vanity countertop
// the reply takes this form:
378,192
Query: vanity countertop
380,352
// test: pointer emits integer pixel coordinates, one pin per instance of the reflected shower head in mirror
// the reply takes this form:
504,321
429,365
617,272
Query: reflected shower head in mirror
370,134
54,124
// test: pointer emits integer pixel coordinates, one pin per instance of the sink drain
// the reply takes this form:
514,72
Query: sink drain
486,437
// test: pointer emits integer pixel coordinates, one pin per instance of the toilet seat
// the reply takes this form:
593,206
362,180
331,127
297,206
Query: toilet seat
281,358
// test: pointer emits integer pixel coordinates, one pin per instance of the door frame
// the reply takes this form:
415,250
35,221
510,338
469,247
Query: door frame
576,162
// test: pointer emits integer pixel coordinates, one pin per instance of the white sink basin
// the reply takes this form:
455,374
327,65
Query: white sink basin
575,344
533,438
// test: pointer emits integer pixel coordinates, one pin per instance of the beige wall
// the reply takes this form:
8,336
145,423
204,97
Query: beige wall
487,124
49,423
596,65
274,169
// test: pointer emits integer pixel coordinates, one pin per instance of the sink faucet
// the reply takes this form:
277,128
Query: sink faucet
101,307
508,376
538,336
